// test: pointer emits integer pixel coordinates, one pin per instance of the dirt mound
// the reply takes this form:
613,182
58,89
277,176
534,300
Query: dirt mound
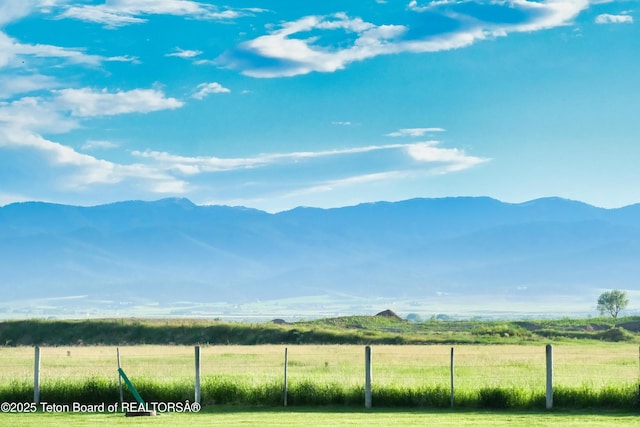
389,314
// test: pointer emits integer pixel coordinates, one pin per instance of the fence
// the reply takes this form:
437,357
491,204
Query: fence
369,371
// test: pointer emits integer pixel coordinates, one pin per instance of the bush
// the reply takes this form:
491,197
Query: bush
616,334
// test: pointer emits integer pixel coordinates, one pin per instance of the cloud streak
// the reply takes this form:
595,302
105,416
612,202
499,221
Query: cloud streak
413,132
399,156
606,18
117,13
184,53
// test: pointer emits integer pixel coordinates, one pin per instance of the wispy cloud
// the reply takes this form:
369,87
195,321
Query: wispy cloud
13,52
605,18
422,152
14,84
99,145
186,54
58,170
118,13
34,114
206,89
86,102
284,179
413,132
12,10
308,44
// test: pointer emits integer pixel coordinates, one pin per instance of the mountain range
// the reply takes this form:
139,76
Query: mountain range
172,257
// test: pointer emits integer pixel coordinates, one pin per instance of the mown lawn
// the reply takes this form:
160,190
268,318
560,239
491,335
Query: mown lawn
329,416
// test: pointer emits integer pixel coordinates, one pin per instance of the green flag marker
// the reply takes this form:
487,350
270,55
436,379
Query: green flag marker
132,389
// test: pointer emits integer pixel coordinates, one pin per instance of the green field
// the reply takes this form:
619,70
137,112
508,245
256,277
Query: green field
604,375
331,416
476,366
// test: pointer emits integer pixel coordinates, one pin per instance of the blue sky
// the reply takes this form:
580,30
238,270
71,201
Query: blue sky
277,104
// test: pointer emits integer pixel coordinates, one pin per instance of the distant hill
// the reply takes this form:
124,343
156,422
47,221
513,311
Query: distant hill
186,259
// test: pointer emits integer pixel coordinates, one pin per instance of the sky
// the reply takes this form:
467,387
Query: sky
278,104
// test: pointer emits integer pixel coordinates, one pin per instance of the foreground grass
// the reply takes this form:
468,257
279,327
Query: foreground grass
329,416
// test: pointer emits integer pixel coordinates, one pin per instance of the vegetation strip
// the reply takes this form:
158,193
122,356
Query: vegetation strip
342,330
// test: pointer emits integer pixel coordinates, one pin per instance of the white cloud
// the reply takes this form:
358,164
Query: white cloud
76,172
56,153
182,53
34,114
342,123
293,56
605,18
12,10
86,102
99,145
14,54
12,84
298,47
205,89
414,132
11,51
117,13
60,169
452,159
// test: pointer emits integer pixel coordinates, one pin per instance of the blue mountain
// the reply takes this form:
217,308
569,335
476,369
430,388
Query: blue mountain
172,250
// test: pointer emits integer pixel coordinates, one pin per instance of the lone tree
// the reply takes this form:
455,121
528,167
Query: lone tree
612,302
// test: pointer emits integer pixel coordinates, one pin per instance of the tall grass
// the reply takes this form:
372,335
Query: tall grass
223,391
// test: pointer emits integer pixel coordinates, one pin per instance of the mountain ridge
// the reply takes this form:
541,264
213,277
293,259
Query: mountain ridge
462,250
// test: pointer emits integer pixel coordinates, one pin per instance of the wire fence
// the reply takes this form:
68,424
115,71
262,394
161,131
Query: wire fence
472,367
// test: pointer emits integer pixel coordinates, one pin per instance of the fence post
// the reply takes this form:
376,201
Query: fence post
284,388
197,392
36,376
367,377
119,377
452,385
549,376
